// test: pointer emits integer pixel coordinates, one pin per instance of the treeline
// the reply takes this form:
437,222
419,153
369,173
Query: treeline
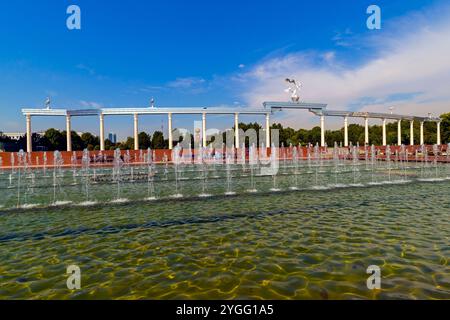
356,133
54,139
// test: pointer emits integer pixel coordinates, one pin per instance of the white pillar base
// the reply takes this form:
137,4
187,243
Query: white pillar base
102,133
169,115
366,131
346,132
322,131
236,131
29,134
421,133
69,134
204,130
136,132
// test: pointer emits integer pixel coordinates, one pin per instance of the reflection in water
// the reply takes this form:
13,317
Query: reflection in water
286,245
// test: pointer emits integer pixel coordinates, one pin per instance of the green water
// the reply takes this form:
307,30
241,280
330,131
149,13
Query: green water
307,244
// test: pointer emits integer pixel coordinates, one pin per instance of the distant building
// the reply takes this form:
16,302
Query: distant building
13,135
112,137
18,135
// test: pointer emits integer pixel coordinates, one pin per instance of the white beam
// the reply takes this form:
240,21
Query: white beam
345,131
399,132
69,133
384,132
169,115
421,133
236,130
102,133
136,132
268,130
438,133
204,129
29,134
366,131
411,129
322,131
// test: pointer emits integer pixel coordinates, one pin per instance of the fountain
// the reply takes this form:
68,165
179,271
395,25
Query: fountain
150,176
295,173
90,179
21,164
45,164
118,164
73,163
85,164
229,161
58,176
12,159
176,159
388,161
252,162
274,167
204,172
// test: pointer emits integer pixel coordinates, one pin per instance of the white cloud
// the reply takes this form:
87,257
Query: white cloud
86,68
186,83
412,63
91,104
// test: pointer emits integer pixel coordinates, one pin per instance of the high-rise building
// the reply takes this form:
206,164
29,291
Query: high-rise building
112,137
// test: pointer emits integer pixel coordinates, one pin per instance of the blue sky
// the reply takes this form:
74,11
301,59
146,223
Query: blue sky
202,53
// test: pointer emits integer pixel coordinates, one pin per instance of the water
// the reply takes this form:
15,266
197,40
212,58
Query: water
316,245
299,242
117,174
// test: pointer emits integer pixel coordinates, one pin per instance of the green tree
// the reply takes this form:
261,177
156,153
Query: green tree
356,134
158,141
314,135
128,144
445,128
89,140
55,140
144,140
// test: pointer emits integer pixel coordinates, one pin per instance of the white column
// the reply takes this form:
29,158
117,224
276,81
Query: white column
29,134
366,131
236,130
69,133
136,133
438,133
345,131
268,130
421,133
204,129
322,131
102,133
384,132
411,138
399,132
169,115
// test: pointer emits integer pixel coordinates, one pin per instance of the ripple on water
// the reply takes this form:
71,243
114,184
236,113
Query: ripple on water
297,245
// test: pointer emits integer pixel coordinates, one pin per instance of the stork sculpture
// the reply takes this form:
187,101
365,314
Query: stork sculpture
294,88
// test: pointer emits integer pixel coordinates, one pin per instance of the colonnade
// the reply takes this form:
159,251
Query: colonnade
384,135
136,112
